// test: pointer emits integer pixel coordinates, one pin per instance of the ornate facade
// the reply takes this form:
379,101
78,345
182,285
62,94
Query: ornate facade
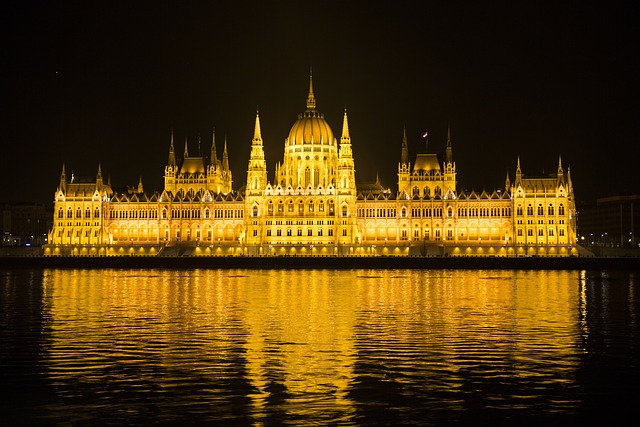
313,207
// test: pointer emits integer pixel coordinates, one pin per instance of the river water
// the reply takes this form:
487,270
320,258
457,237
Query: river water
318,347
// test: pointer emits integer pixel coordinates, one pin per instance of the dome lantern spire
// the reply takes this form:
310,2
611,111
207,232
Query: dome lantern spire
311,100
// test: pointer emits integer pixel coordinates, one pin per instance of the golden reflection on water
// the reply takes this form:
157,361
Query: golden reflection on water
300,339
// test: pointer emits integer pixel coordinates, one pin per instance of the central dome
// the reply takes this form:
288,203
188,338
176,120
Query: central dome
311,127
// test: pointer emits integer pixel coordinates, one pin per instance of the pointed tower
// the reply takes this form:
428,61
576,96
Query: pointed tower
63,180
225,157
450,182
171,170
257,170
449,150
227,180
404,156
346,189
560,172
404,167
99,177
346,167
518,180
140,187
507,183
213,162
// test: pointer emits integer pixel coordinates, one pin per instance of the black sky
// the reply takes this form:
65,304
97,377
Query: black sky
88,83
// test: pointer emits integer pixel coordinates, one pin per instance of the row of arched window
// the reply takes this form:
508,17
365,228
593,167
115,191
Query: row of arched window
540,210
87,213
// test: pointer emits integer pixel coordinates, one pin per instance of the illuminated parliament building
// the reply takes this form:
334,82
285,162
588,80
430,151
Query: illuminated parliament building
313,206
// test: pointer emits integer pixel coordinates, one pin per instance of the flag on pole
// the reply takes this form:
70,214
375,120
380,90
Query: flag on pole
425,134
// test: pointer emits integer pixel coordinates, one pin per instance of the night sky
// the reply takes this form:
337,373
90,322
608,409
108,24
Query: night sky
88,83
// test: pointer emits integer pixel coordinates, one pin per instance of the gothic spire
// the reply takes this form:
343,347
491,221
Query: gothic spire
99,175
172,152
311,100
449,149
404,156
63,179
225,156
186,151
518,172
345,126
257,136
214,154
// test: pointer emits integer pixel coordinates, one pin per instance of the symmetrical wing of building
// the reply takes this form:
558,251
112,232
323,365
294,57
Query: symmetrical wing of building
313,207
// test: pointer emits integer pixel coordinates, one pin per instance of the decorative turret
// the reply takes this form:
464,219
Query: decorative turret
172,154
186,150
404,167
140,187
404,156
225,157
449,150
63,180
560,173
518,180
257,170
213,162
346,167
99,177
171,170
450,182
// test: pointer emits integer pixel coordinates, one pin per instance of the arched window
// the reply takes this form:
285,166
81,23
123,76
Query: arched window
344,211
550,210
311,206
270,208
60,213
307,177
561,209
540,210
255,211
529,210
519,210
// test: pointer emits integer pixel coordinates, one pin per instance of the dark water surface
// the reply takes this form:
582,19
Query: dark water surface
318,347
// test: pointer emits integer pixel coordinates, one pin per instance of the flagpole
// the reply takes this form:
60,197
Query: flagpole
426,139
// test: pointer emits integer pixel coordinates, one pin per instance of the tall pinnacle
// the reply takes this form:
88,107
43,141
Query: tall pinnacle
311,100
225,156
214,154
172,154
257,136
449,149
404,156
345,126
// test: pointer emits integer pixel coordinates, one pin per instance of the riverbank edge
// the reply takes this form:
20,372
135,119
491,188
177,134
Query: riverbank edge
330,262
